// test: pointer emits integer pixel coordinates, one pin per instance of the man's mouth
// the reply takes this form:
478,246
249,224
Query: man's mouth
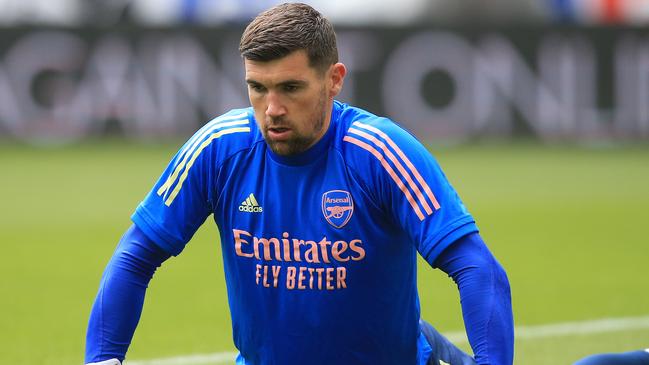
278,133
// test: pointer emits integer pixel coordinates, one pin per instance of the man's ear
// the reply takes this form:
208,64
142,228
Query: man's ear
337,77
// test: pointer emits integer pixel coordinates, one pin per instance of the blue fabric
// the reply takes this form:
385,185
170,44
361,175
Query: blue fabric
320,248
424,349
437,349
182,199
118,304
485,297
625,358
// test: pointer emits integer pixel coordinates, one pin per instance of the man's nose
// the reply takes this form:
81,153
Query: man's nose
275,107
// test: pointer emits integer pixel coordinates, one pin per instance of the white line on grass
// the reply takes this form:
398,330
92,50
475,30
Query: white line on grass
196,359
522,332
570,328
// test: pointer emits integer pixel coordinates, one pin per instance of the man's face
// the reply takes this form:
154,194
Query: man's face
292,101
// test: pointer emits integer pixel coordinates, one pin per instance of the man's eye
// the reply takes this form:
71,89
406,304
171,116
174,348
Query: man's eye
290,88
256,87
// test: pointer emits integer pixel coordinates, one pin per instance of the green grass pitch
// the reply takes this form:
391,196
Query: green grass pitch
569,224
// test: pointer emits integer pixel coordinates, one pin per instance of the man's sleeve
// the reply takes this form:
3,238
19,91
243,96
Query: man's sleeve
182,198
625,358
485,296
119,301
411,186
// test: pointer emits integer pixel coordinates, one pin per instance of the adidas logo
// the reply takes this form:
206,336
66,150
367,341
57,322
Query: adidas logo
250,205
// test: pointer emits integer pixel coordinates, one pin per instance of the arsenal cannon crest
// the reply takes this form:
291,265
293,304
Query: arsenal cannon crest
337,207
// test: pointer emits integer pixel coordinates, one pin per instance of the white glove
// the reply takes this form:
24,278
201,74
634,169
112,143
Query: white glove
106,362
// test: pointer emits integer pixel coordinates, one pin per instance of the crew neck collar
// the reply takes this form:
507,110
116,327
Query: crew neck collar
313,152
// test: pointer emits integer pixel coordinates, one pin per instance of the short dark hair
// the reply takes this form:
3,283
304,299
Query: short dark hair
290,27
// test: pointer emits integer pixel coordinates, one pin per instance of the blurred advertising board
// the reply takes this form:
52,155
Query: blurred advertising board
443,84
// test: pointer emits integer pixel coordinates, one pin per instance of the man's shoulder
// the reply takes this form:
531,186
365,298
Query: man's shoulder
363,132
228,133
238,122
375,148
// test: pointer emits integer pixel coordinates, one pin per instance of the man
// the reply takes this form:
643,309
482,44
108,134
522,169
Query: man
321,208
623,358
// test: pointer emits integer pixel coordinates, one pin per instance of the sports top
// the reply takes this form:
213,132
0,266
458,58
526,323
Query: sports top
319,248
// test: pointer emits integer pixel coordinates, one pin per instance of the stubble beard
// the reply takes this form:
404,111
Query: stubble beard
298,143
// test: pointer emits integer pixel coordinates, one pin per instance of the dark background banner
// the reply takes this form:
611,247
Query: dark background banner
443,84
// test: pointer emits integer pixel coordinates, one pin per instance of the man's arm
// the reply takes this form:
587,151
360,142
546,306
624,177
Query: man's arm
624,358
485,297
165,221
118,304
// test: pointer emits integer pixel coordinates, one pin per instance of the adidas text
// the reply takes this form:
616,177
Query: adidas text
250,209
